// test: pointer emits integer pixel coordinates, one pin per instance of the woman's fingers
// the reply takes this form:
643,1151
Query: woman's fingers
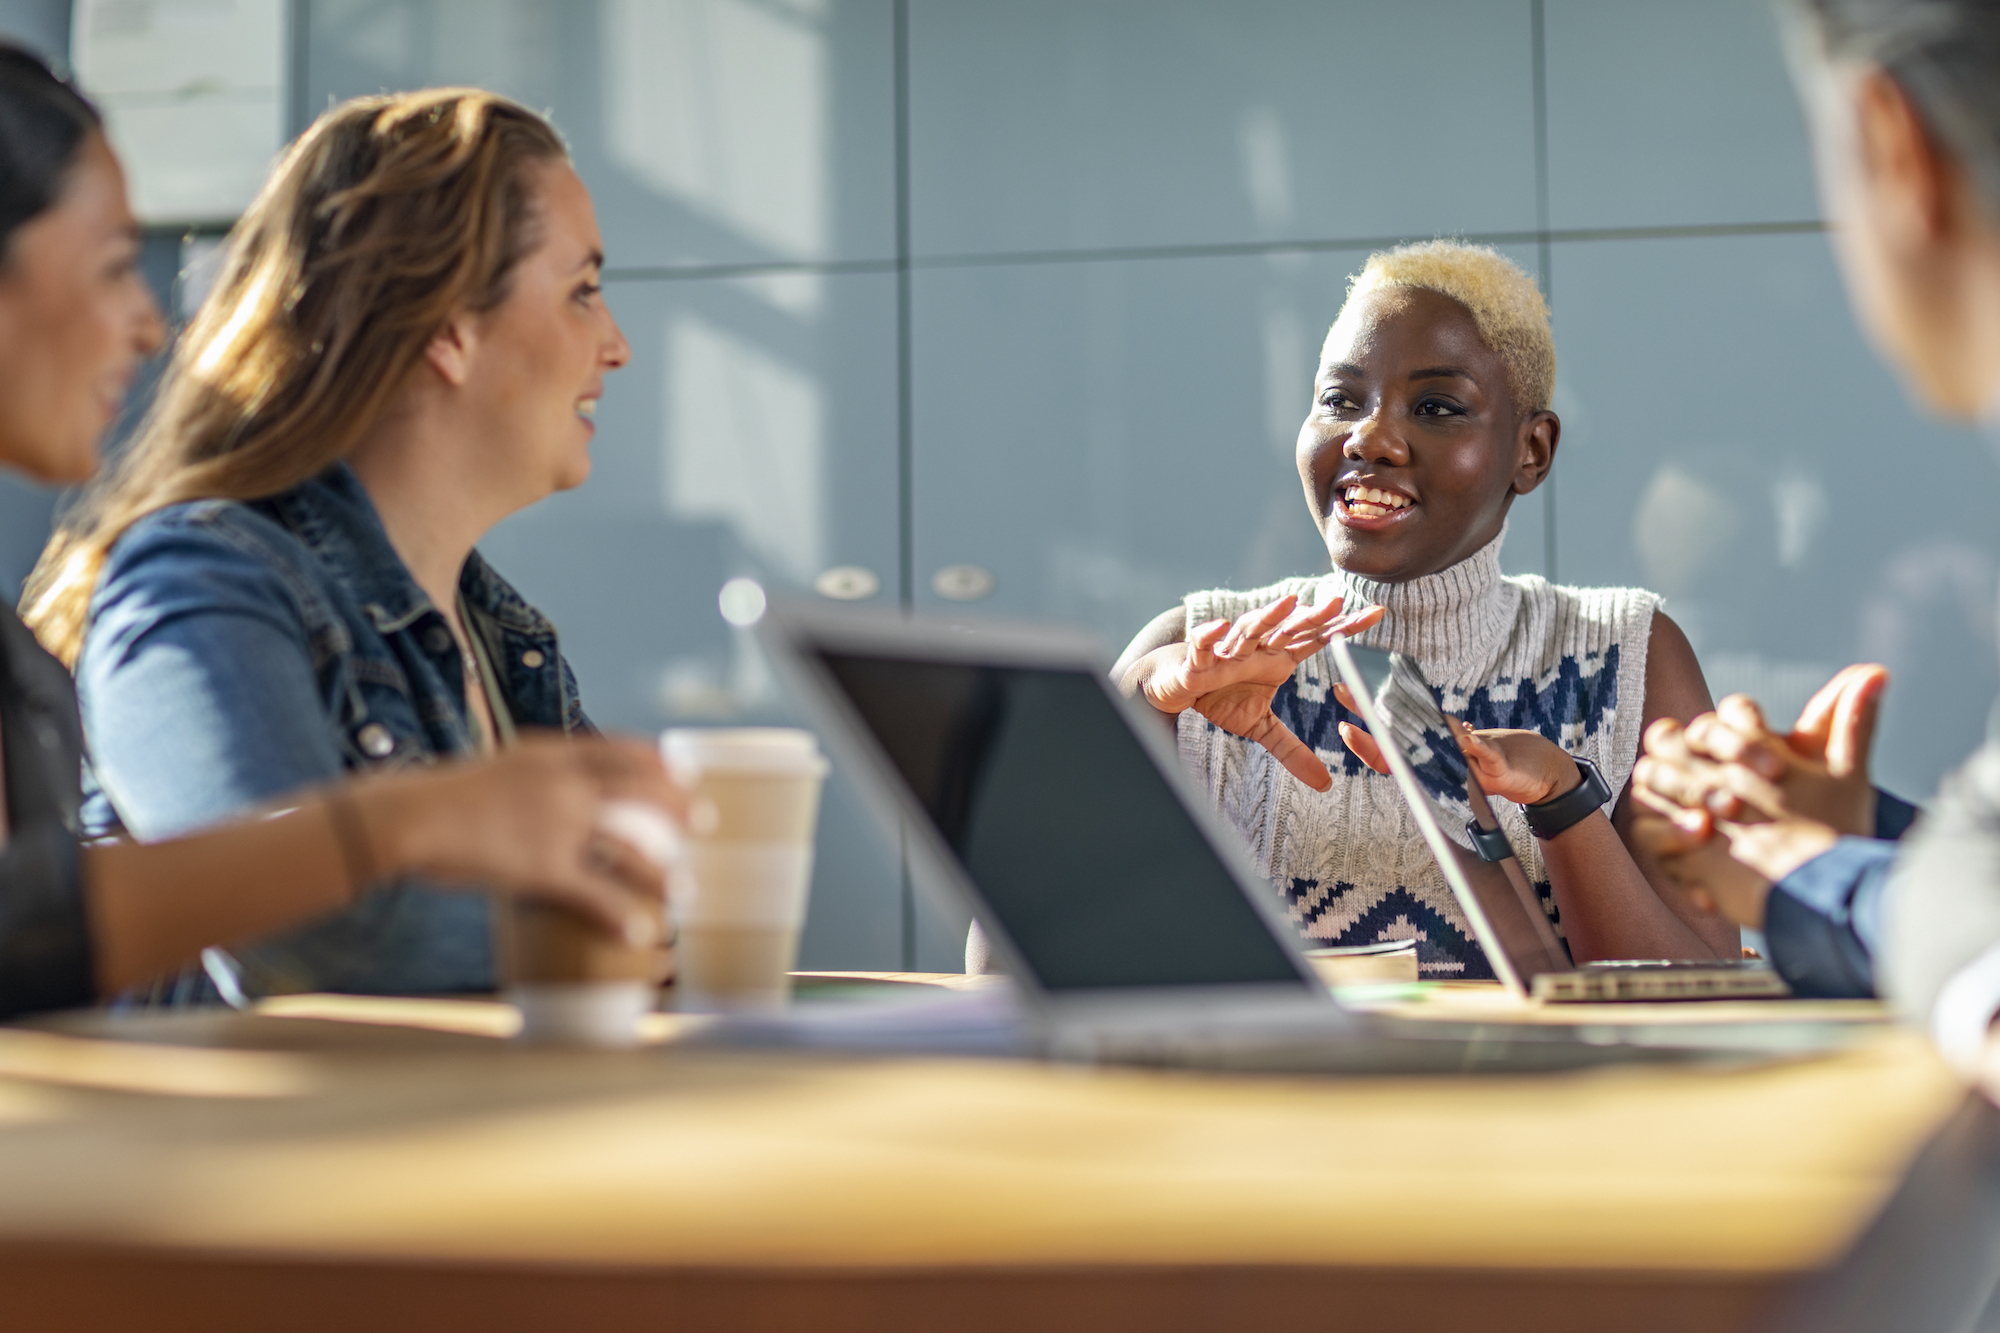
1851,737
530,822
637,919
1201,644
1775,849
1251,630
1330,617
1363,747
1366,618
1694,820
616,884
1665,739
1485,759
1743,714
1299,652
1738,793
1662,837
1305,623
1811,731
1311,617
1293,753
1735,734
1670,786
609,854
625,769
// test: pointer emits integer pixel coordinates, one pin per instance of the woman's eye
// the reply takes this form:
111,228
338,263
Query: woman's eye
588,292
1333,400
1432,407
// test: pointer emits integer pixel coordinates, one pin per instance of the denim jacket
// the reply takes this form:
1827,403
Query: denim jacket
238,652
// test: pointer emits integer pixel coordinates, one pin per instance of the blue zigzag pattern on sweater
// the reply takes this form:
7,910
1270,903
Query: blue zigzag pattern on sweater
1442,951
1569,700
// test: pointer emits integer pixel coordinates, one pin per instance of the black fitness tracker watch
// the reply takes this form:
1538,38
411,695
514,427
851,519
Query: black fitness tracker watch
1552,817
1490,843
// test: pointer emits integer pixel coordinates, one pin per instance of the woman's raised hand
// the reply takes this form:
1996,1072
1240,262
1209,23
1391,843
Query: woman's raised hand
1229,673
530,821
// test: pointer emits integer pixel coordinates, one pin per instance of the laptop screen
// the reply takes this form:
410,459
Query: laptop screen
1078,844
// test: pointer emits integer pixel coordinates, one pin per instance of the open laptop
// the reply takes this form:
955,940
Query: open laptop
1401,711
1128,917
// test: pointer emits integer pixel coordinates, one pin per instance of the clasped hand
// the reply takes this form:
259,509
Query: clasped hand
1736,805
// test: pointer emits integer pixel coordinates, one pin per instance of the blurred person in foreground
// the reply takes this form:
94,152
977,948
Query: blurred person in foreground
1902,100
78,921
277,582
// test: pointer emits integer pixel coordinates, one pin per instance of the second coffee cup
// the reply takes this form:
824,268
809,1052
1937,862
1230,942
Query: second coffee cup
742,901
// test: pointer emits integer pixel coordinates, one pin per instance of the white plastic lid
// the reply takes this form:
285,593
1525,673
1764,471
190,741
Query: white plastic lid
776,750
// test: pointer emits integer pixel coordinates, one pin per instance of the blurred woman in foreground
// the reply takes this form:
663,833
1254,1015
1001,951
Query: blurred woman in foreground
79,921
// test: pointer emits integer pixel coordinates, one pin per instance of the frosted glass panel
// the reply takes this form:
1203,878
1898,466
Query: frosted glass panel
710,131
1671,114
1730,442
1049,124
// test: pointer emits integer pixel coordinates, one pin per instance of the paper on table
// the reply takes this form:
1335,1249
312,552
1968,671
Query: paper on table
987,1021
1366,964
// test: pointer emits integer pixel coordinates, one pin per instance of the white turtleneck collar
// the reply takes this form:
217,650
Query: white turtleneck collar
1460,615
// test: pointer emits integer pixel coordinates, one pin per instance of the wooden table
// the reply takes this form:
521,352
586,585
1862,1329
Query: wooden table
338,1163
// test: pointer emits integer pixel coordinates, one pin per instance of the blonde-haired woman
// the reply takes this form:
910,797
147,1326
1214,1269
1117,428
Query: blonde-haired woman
276,584
1430,415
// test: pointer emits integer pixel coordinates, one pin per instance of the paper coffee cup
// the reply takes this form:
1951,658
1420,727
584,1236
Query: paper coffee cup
740,905
573,981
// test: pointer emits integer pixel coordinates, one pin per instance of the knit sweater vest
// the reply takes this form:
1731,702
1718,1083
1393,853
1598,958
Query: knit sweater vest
1350,863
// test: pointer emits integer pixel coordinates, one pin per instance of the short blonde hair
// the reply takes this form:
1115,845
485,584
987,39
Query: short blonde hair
1506,306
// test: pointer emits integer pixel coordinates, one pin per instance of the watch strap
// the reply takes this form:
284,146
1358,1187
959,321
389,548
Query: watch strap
1490,843
1552,817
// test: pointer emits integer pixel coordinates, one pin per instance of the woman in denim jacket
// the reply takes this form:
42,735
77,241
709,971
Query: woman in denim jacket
77,921
276,584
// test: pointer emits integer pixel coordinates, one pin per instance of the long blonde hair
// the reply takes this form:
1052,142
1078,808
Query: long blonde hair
387,217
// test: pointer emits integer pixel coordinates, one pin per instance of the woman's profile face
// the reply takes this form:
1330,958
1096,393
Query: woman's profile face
76,319
1413,449
545,349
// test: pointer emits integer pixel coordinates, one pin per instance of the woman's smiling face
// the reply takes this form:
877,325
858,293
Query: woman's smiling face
1414,448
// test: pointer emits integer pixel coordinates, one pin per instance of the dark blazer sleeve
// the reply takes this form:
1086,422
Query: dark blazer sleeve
45,953
46,959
